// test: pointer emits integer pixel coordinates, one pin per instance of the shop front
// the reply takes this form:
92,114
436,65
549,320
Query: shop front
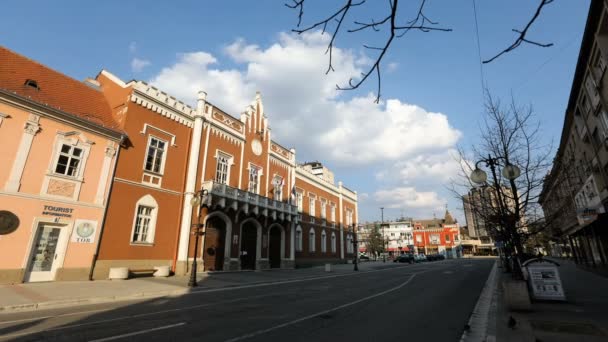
49,240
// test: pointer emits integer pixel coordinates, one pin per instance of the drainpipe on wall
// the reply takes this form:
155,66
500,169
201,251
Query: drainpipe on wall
105,211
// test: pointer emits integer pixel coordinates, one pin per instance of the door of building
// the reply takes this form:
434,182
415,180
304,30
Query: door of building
45,253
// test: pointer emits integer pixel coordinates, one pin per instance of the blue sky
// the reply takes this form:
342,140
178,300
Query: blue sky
395,154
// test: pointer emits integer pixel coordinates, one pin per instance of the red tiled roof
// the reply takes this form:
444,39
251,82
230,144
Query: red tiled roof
55,89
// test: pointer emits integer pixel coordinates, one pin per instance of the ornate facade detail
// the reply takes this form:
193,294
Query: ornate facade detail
228,121
229,137
61,188
179,112
31,127
110,151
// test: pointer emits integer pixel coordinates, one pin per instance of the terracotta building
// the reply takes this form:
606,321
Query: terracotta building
251,185
59,148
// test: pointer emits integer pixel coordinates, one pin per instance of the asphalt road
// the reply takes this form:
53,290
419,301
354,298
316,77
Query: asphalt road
428,301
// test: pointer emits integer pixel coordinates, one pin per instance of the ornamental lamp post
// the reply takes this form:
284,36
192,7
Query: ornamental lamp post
510,172
199,199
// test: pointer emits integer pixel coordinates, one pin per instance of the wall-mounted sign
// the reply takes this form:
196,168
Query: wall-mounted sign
57,211
84,231
9,222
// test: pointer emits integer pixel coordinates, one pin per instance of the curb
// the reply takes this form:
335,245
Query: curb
477,326
84,301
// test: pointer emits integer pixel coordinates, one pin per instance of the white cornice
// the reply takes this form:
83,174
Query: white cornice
144,100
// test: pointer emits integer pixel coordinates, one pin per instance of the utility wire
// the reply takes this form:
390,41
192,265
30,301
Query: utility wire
481,76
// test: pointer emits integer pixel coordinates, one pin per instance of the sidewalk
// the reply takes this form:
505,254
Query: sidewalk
583,317
32,296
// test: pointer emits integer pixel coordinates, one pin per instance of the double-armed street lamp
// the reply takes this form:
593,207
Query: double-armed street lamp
510,172
198,199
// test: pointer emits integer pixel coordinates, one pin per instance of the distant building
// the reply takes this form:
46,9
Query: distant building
437,236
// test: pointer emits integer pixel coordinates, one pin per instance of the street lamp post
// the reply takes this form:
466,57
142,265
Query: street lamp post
199,199
383,234
356,250
510,172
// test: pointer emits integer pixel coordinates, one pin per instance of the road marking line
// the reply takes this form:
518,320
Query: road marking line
203,291
138,332
260,332
136,316
478,322
422,270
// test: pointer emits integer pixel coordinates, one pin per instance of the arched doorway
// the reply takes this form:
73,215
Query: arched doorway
248,252
215,242
275,247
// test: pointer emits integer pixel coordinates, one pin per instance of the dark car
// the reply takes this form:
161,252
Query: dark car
363,257
409,258
432,257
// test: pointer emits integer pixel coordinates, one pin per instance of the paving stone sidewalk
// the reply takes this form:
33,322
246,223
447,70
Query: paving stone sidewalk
583,317
32,296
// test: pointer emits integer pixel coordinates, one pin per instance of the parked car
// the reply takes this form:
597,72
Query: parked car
432,257
363,257
420,257
409,258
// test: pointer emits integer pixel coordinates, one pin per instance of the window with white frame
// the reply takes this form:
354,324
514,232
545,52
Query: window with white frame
323,207
323,242
278,183
222,170
144,222
299,239
332,212
311,202
300,201
254,179
69,160
447,237
155,157
349,217
311,240
333,242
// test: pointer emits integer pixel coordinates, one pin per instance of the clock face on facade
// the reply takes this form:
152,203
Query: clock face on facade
256,146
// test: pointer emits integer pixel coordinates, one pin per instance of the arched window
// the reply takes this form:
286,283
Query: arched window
323,242
333,242
144,220
299,239
311,240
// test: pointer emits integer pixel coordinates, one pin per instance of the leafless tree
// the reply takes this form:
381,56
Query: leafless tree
509,208
396,23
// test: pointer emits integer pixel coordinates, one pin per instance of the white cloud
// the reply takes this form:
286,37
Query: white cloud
138,65
304,108
133,47
409,197
392,66
440,167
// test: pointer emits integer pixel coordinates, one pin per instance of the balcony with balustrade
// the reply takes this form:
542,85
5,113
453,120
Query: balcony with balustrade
225,196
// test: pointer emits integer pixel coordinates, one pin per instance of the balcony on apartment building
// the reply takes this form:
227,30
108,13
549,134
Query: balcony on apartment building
226,196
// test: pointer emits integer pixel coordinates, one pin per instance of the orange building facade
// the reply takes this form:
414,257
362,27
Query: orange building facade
59,149
251,185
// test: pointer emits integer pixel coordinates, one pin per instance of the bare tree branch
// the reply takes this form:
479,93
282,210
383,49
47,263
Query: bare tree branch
421,23
522,34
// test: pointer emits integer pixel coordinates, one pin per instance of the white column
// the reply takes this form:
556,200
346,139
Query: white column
105,173
341,217
31,128
197,132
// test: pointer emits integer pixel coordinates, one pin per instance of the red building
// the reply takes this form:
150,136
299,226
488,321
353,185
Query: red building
437,236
